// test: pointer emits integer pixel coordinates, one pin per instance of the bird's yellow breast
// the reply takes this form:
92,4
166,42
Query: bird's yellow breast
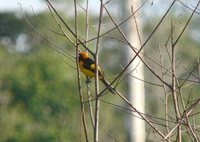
87,72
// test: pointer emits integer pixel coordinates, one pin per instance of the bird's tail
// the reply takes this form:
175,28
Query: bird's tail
107,84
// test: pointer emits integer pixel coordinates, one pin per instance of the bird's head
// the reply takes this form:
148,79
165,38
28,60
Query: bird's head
83,55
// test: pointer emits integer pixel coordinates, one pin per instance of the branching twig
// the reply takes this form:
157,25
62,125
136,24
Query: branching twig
78,74
167,127
138,52
173,89
68,28
97,103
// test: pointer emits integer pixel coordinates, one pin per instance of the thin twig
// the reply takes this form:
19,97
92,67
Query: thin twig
68,28
97,102
138,52
185,5
87,78
124,21
186,25
173,89
60,26
46,40
166,96
141,115
78,74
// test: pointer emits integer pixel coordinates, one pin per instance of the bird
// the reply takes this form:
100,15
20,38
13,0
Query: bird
87,66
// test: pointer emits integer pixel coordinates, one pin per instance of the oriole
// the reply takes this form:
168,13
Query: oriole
87,66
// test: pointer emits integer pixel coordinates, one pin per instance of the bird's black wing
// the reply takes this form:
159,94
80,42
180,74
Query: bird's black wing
90,65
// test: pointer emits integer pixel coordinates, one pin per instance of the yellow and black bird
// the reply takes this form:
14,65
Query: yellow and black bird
87,66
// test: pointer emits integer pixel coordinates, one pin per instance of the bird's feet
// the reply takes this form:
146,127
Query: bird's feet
88,80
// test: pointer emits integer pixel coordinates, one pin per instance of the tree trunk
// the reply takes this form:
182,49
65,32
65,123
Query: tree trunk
135,86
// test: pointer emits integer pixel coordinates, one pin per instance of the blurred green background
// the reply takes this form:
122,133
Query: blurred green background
39,99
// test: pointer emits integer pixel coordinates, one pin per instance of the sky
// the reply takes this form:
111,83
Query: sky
37,5
152,8
13,5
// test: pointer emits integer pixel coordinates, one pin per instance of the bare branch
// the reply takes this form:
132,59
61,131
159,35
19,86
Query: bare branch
78,75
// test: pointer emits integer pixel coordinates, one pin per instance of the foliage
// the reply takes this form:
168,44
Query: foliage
38,91
10,30
39,98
